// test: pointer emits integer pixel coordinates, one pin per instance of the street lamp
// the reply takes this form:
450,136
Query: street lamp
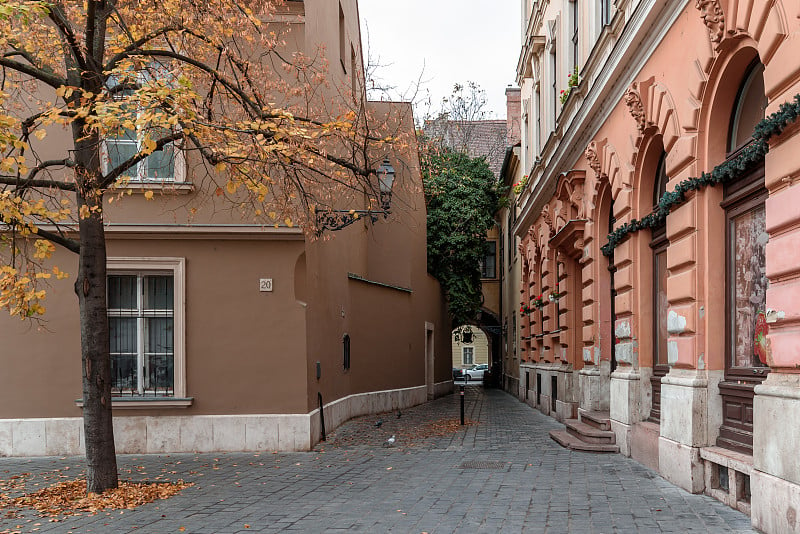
385,183
337,219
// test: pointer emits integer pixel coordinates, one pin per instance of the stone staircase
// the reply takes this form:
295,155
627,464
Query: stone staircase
590,432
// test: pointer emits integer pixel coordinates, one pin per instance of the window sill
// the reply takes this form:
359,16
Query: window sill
162,185
132,403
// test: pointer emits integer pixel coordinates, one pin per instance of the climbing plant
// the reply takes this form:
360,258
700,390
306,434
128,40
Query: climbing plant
727,171
462,196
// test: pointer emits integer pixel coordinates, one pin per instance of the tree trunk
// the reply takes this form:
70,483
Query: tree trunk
101,460
90,285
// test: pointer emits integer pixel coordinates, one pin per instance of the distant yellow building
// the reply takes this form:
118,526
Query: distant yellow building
470,346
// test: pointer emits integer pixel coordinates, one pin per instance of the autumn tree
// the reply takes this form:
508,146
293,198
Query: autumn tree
212,80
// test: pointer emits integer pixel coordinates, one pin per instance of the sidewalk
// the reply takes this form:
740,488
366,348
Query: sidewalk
500,474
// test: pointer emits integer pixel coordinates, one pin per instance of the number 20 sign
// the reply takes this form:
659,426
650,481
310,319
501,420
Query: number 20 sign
265,284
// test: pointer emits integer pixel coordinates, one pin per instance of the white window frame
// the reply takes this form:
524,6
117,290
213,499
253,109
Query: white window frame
574,33
139,177
176,266
554,85
464,350
483,263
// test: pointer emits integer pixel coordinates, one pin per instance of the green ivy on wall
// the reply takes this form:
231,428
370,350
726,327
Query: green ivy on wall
461,195
753,153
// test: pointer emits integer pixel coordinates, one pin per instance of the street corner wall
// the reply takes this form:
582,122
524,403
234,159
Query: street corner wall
41,360
369,282
244,349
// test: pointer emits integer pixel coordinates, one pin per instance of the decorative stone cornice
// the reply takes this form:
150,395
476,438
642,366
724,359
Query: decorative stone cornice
713,17
591,155
633,99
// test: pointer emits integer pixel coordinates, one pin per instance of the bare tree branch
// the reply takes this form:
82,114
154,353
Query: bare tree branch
43,76
59,239
59,18
22,183
119,171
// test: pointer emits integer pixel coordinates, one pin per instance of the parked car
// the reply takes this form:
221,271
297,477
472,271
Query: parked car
476,371
458,374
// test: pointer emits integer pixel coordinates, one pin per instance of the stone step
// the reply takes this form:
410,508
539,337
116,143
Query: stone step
565,439
599,420
589,433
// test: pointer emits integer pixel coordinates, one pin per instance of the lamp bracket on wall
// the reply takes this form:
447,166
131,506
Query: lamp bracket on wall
337,219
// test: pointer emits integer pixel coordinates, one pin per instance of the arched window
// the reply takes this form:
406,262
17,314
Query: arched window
658,244
745,272
749,108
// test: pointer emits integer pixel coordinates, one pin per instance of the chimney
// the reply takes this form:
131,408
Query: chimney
513,115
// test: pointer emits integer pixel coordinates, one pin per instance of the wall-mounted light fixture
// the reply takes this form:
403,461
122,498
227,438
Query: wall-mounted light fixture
337,219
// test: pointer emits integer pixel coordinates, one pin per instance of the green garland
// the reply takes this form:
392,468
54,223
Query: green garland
753,153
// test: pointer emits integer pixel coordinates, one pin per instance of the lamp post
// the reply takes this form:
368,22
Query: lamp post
337,219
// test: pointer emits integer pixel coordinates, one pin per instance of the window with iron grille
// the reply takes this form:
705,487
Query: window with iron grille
146,327
141,319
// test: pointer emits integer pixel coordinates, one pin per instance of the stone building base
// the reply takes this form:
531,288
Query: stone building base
644,444
775,504
594,388
204,433
680,464
776,434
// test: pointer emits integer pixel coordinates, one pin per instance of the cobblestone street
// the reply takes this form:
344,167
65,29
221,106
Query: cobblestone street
501,473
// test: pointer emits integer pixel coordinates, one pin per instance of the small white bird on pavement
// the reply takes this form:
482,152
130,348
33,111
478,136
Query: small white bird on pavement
389,442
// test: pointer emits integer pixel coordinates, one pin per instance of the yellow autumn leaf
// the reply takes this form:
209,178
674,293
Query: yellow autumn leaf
84,212
60,275
43,249
148,195
149,145
231,187
288,222
40,134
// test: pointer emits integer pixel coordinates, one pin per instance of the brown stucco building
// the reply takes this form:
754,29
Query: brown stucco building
230,336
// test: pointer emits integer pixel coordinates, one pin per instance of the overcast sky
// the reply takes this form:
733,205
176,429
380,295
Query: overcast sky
455,41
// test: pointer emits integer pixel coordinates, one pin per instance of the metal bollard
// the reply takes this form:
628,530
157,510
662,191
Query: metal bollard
321,417
462,405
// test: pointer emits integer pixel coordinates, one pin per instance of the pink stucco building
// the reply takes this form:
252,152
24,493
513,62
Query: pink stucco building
678,344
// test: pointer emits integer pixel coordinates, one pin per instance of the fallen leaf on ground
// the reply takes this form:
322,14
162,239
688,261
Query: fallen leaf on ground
68,497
